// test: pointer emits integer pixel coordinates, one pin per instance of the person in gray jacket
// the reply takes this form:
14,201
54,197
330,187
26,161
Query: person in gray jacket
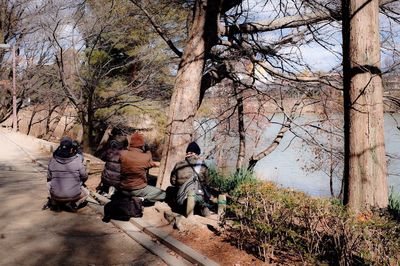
66,176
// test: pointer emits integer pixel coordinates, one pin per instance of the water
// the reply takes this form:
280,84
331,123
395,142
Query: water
285,166
291,163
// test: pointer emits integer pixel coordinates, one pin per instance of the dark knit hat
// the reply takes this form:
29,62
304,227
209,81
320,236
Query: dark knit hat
66,143
193,147
137,140
65,149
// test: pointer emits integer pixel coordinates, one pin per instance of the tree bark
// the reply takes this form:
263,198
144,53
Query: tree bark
104,140
186,96
365,170
85,131
275,143
242,134
51,127
34,112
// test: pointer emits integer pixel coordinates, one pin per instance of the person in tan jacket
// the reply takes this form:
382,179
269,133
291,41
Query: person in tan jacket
135,163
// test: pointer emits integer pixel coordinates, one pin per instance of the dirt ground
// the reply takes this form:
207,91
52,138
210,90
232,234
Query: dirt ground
196,234
215,247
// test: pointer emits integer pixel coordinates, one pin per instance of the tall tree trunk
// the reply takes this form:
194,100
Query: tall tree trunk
186,96
242,134
90,121
34,112
85,131
87,117
365,170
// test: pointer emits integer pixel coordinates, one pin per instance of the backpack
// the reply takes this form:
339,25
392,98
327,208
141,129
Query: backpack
194,185
122,208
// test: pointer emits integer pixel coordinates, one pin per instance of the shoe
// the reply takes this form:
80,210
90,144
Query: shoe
81,205
52,205
205,211
55,208
178,223
169,216
147,203
111,191
47,205
70,207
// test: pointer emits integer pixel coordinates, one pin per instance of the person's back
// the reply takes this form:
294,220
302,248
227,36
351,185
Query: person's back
112,168
134,166
183,170
65,176
190,175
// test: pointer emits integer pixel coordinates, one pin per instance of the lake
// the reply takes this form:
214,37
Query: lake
291,163
285,165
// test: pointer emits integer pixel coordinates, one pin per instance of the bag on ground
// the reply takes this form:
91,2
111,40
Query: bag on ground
122,209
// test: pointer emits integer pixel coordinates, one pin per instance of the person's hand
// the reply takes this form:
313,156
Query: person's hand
155,164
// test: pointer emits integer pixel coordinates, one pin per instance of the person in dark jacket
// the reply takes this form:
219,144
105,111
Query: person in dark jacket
110,177
66,176
191,174
135,163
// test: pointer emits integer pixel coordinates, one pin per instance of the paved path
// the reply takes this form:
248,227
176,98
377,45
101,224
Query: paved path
30,236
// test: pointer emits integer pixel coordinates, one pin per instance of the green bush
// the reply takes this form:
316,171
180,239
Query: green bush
228,184
268,221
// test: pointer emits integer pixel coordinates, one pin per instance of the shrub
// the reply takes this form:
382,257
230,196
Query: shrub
228,184
266,221
394,204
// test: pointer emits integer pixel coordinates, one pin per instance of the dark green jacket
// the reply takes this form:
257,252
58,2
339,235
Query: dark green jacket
183,171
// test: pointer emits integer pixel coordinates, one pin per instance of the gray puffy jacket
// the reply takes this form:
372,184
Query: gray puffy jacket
66,176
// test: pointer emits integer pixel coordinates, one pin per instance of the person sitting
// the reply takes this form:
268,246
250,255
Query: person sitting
66,175
191,174
110,177
135,163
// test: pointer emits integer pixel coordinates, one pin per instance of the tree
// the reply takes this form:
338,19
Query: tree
107,64
312,17
190,84
14,27
186,97
365,170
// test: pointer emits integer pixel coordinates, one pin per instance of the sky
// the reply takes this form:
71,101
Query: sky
314,54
